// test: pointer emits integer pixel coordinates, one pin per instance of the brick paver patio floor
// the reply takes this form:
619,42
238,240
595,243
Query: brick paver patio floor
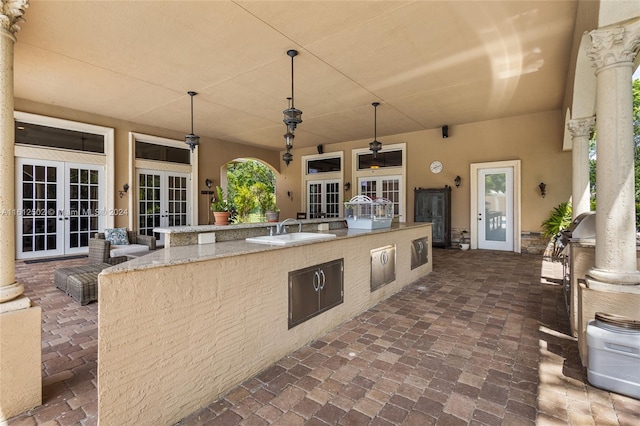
481,340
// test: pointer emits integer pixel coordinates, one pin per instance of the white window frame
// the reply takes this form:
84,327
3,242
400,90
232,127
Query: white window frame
306,177
383,171
106,159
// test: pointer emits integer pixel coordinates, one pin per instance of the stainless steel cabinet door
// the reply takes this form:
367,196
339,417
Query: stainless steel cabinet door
419,252
314,290
383,266
331,288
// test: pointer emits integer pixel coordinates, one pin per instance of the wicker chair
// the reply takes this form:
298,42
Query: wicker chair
100,249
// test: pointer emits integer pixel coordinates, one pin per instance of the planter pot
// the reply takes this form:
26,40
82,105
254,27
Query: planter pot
221,218
464,246
272,216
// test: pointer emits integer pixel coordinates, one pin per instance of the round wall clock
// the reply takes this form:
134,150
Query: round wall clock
436,167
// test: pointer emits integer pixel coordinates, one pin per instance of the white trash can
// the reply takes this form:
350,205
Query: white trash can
614,354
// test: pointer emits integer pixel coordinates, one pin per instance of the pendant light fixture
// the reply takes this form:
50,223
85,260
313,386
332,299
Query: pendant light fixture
287,157
292,116
375,146
191,139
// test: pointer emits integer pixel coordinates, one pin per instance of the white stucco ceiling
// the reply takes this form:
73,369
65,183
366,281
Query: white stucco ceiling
428,63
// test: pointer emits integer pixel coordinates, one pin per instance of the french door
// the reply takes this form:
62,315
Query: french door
495,209
61,206
323,198
388,187
163,200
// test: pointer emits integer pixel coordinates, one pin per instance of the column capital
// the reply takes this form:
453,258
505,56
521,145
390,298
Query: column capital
614,45
11,14
581,126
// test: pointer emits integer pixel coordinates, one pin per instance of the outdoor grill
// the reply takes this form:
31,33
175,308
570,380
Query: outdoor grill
582,228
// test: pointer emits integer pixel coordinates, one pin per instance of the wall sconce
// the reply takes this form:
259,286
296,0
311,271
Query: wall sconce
124,190
347,186
543,189
457,181
208,182
290,195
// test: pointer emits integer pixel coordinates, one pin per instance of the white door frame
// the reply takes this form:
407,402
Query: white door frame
136,163
63,212
517,214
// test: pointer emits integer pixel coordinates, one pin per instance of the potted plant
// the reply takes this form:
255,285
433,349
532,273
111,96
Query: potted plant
267,202
271,212
464,240
220,208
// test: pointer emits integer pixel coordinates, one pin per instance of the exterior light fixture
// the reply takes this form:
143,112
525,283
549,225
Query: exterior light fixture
287,157
124,190
347,186
543,189
292,115
191,139
375,146
457,181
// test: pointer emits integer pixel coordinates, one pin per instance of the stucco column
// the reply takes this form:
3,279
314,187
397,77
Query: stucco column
580,130
10,291
613,50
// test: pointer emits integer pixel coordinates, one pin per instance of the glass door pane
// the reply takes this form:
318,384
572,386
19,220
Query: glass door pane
332,198
40,219
495,209
177,200
314,199
84,215
149,202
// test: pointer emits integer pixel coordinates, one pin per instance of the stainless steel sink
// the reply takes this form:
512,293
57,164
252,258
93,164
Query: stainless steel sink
286,239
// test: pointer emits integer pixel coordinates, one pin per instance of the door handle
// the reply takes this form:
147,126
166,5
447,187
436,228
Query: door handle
384,257
316,281
323,279
419,246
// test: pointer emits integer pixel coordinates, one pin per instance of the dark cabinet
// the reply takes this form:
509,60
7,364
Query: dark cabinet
419,252
314,290
383,266
434,205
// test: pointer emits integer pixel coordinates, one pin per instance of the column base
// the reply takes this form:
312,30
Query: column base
11,291
607,277
21,302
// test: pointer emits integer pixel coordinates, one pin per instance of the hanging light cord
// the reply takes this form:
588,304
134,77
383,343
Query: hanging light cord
292,103
191,94
375,121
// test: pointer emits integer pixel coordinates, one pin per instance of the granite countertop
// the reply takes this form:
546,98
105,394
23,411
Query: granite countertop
211,228
193,253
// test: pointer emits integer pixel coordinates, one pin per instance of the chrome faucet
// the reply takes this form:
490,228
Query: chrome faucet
282,229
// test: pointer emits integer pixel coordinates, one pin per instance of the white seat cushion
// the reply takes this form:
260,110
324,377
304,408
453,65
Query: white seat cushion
117,251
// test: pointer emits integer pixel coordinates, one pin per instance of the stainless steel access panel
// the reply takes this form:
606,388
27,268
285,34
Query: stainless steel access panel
314,290
419,252
383,266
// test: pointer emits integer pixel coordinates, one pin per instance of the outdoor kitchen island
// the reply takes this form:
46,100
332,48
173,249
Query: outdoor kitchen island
180,327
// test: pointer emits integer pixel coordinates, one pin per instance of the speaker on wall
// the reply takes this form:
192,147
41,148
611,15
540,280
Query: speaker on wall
320,149
445,131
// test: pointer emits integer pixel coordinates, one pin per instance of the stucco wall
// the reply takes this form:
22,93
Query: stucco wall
20,362
535,139
214,153
173,339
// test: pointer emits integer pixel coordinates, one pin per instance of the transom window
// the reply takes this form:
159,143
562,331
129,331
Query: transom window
54,137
